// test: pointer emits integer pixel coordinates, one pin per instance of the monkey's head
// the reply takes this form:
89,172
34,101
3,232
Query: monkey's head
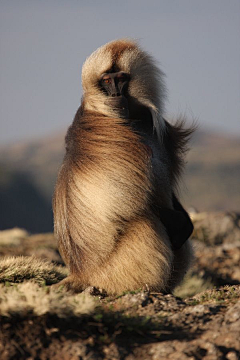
120,77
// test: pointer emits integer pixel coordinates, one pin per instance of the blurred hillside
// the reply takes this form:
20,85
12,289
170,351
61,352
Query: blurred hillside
28,172
212,177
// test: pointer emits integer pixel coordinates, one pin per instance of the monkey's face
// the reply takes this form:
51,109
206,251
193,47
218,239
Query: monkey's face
120,78
115,87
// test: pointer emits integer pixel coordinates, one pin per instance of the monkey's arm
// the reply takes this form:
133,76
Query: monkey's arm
177,223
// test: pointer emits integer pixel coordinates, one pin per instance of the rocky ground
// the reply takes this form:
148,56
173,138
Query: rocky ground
200,321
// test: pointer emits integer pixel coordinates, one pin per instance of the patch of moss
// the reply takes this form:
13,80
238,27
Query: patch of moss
220,295
192,285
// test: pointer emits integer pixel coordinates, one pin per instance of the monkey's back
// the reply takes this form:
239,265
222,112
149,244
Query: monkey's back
102,207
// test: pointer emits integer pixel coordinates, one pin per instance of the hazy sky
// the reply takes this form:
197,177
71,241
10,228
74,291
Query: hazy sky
43,44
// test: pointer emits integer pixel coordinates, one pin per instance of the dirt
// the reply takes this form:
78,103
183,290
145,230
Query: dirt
140,325
134,326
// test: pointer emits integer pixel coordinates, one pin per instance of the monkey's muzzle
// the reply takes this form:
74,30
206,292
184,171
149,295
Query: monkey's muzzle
120,103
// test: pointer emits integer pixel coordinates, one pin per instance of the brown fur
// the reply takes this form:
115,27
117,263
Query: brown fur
108,231
176,143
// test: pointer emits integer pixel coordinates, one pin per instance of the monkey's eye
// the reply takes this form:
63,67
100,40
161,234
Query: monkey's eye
106,81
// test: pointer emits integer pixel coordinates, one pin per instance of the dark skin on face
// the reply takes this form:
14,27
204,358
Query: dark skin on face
177,221
115,86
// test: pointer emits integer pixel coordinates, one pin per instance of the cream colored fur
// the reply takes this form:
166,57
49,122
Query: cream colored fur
147,81
107,230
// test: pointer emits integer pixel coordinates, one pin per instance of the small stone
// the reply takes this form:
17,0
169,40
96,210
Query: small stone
232,356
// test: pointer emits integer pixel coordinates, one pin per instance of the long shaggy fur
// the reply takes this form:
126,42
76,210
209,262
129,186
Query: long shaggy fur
147,81
107,229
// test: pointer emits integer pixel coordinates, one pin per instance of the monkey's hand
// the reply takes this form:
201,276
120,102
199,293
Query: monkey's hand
178,225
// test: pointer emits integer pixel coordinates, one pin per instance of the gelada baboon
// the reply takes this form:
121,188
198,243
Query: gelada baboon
118,221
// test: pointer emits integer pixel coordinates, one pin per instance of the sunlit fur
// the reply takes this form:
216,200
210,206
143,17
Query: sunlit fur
105,221
147,83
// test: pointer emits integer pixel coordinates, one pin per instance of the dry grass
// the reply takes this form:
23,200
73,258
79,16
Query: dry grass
20,268
24,292
12,237
29,298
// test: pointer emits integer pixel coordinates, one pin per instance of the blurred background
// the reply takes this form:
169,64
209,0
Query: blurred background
43,45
